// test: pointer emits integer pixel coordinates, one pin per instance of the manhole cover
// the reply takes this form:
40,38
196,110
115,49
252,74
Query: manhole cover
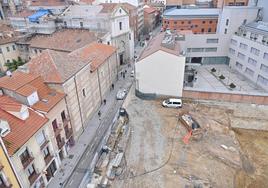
71,156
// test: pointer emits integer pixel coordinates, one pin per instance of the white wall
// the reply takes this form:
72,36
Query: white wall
160,73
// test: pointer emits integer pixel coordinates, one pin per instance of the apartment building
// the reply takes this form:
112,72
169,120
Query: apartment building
222,3
248,52
84,75
8,176
8,48
151,19
196,20
106,17
40,133
178,3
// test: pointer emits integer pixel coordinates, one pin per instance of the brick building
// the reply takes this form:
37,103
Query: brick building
196,20
151,18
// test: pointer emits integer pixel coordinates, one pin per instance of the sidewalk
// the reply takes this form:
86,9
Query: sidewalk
87,137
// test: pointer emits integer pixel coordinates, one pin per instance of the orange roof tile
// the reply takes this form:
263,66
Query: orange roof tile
7,106
21,130
26,90
97,53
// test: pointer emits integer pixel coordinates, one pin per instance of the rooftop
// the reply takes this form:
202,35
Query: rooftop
257,27
164,42
48,3
21,130
211,12
25,84
54,66
80,11
7,34
96,53
65,40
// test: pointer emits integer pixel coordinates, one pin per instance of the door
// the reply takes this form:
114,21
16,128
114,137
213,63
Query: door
121,59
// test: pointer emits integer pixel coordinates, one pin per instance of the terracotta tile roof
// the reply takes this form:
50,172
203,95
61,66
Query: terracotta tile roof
128,6
48,3
21,130
150,10
97,53
30,83
7,34
108,7
65,40
16,81
155,44
54,66
89,2
9,106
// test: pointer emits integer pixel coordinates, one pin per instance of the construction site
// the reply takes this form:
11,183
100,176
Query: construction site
203,144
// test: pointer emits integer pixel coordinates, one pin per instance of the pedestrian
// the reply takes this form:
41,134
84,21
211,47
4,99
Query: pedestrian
126,71
99,114
121,73
124,75
112,86
104,101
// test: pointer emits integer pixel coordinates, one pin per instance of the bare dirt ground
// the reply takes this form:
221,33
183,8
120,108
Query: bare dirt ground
156,156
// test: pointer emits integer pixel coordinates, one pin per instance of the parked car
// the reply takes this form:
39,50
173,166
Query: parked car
132,74
121,94
172,103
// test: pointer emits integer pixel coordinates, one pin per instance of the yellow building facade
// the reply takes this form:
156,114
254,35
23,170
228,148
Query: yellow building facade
7,175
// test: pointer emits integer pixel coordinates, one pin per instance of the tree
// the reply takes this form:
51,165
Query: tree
15,64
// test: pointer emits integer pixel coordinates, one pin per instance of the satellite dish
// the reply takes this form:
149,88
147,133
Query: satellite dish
9,73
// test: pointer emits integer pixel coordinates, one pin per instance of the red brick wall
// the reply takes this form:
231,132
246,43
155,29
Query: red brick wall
228,97
196,25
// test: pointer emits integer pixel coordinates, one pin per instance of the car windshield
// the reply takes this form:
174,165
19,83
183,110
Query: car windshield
167,101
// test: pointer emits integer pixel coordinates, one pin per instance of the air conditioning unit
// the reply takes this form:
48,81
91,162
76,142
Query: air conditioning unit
4,128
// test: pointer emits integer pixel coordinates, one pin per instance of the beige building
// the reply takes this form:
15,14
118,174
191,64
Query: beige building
8,48
37,126
84,75
180,2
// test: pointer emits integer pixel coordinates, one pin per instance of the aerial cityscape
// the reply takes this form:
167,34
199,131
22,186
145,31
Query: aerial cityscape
133,93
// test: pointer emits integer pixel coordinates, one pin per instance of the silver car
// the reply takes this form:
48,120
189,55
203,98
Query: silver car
121,94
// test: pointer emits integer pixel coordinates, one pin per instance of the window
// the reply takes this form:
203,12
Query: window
24,157
209,29
189,49
35,51
8,49
212,40
14,47
265,56
81,24
175,22
210,49
40,138
241,56
63,116
65,24
189,22
227,22
46,152
84,92
234,42
8,61
210,22
182,22
262,80
264,68
243,46
202,30
253,36
244,21
225,31
203,22
54,125
255,51
252,61
120,26
129,36
238,65
31,170
120,10
1,51
249,72
197,49
40,51
232,51
108,43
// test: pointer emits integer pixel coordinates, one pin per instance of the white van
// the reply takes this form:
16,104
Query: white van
172,103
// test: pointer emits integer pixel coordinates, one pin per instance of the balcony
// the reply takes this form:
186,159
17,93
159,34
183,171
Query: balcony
27,161
66,122
33,177
48,159
60,143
